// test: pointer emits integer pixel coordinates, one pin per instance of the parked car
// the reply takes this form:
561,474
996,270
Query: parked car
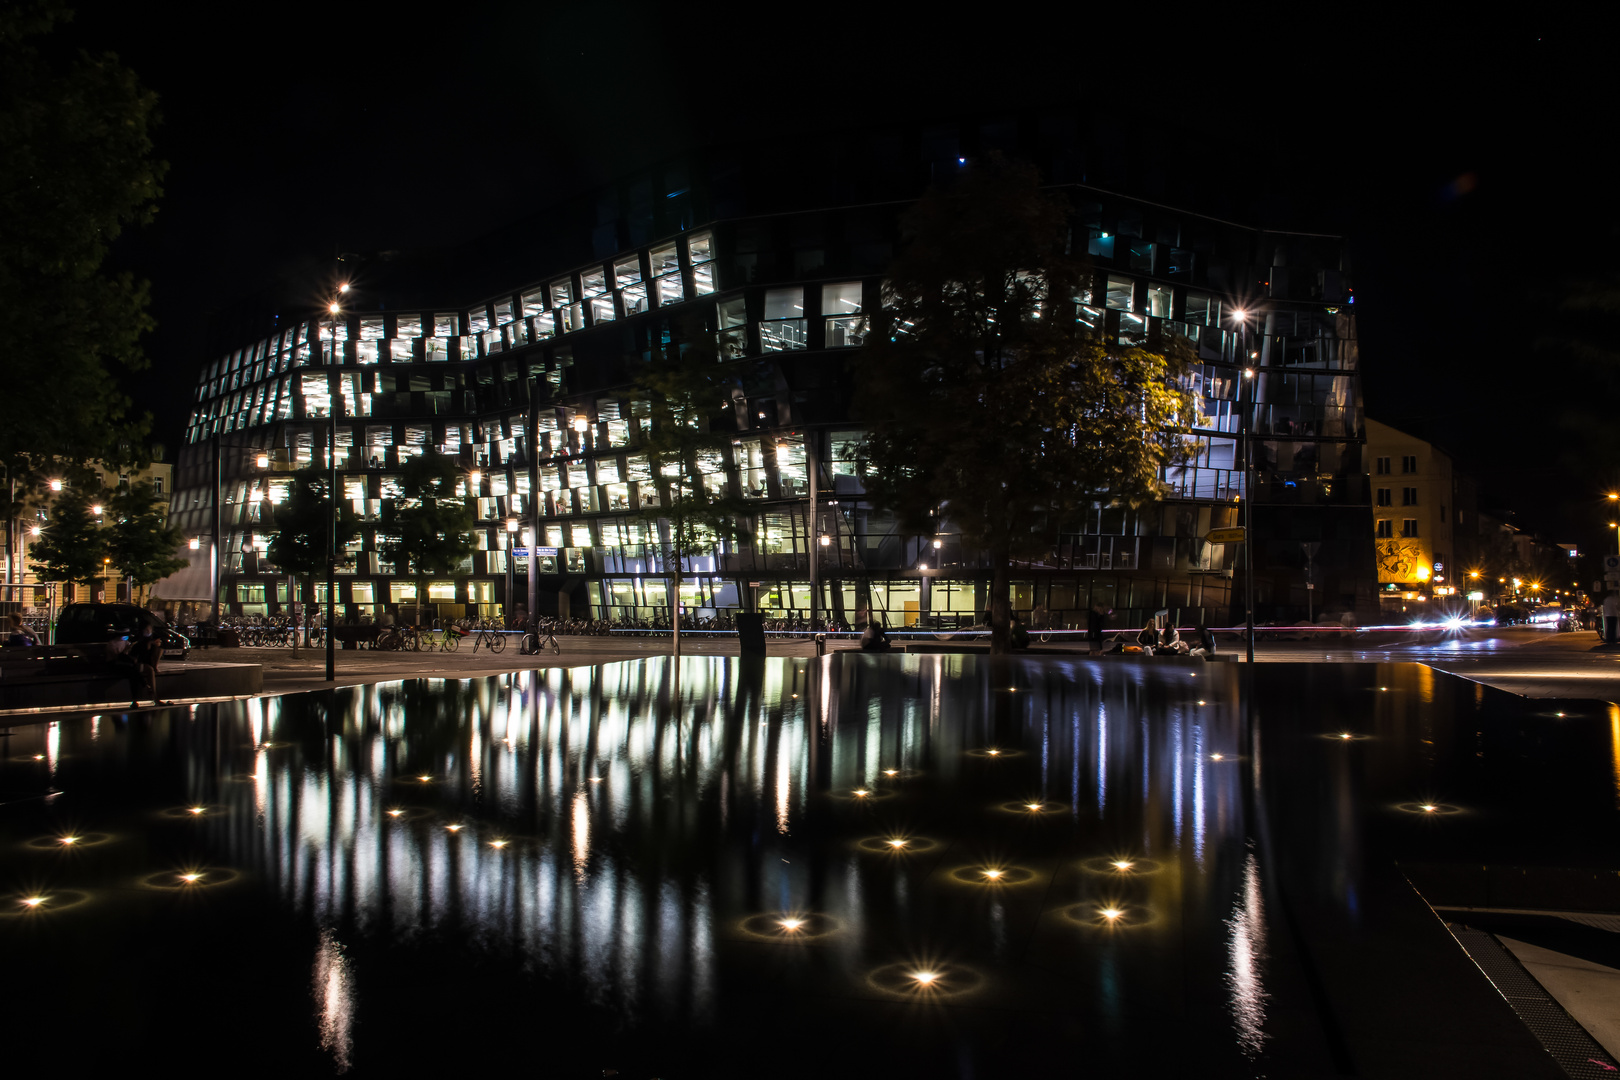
85,624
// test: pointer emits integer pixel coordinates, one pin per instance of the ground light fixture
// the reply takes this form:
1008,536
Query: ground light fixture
925,978
1111,913
32,901
1123,865
993,874
790,925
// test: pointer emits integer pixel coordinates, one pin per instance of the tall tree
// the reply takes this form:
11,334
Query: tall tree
73,543
140,540
685,387
76,167
989,405
303,523
429,530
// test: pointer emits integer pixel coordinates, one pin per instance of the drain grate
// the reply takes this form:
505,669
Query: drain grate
1576,1052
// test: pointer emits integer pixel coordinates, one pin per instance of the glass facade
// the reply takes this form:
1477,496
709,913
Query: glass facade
530,391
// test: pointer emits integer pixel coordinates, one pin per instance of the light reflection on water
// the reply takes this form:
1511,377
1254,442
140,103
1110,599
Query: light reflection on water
640,828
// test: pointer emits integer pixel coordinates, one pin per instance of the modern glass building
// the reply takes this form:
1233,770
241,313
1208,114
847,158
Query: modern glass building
530,389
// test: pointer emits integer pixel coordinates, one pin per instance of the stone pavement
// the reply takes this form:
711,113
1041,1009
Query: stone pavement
1521,660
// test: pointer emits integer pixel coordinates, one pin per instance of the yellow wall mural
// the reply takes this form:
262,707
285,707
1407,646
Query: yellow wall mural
1403,562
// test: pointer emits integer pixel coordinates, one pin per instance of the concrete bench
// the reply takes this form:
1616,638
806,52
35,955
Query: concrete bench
54,676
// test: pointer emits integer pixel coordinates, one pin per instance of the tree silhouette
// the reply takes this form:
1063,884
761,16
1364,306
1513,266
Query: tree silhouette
140,540
990,406
301,544
684,388
429,529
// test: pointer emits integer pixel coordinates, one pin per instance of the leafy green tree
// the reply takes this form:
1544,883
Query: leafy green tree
429,530
140,540
684,388
990,407
76,167
302,542
73,543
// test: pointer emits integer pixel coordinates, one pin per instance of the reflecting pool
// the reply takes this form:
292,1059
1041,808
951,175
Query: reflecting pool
850,865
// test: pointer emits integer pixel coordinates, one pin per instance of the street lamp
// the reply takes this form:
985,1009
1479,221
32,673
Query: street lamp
334,309
56,485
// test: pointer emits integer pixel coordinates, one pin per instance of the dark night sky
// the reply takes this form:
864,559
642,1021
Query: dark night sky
314,128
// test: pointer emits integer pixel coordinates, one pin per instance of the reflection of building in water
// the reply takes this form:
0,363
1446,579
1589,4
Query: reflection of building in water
529,387
636,834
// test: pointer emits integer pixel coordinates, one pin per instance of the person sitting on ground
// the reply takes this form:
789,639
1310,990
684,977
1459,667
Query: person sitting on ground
1018,635
19,634
1148,636
1117,646
873,638
1170,640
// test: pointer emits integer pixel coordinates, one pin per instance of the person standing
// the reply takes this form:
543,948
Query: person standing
1611,616
1096,617
147,651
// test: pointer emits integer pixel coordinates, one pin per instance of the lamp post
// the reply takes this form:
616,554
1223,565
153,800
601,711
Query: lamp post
511,566
1248,493
334,309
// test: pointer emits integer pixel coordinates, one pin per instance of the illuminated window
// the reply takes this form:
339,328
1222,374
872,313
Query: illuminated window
666,275
595,294
1119,293
733,323
632,290
1202,310
1158,298
841,303
701,250
783,328
442,590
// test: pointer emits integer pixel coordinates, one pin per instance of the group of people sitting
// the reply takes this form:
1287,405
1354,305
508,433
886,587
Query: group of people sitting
1165,640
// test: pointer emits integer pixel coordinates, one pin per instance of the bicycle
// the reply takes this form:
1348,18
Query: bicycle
533,645
492,640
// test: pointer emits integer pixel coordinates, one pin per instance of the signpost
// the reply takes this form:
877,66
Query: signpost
1225,536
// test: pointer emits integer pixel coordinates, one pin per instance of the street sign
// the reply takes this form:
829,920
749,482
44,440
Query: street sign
520,553
1225,536
1611,564
546,551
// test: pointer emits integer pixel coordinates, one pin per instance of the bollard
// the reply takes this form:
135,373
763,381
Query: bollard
821,644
